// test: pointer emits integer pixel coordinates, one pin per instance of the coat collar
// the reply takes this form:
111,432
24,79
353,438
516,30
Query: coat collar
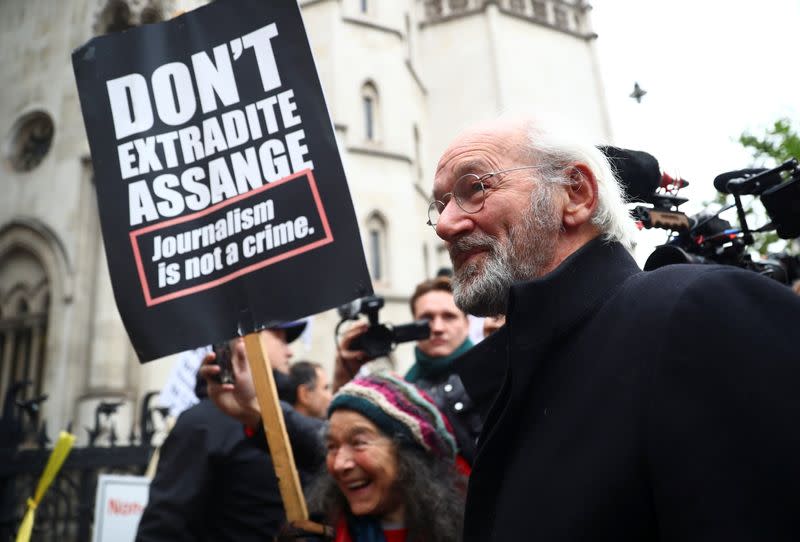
544,308
542,311
539,313
547,307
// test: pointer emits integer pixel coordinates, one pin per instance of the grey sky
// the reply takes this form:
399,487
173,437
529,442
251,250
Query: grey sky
712,69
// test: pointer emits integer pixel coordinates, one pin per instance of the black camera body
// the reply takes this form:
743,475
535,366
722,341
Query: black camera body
224,358
380,339
706,238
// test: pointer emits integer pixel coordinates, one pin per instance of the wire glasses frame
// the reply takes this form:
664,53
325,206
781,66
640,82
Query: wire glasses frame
469,193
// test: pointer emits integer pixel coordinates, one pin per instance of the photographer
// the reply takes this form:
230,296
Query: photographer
434,370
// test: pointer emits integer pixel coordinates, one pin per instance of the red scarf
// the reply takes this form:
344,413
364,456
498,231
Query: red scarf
390,535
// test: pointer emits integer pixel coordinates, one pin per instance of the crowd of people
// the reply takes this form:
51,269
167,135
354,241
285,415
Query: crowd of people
606,403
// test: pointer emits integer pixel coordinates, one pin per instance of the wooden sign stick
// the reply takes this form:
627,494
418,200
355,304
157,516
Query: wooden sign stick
272,418
280,448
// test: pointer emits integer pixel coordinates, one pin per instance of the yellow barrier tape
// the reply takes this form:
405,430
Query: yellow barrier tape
54,463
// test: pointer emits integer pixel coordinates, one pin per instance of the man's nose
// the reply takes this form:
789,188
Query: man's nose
453,222
436,325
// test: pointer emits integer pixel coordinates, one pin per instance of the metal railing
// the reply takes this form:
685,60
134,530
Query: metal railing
66,513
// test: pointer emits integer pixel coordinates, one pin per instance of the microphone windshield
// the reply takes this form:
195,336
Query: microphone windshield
721,180
638,171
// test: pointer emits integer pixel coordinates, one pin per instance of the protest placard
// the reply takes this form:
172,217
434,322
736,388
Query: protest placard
119,503
223,201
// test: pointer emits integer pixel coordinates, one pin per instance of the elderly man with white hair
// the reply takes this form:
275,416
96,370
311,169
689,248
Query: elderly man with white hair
626,405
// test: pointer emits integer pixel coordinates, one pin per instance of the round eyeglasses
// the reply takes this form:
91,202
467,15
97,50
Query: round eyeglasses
469,191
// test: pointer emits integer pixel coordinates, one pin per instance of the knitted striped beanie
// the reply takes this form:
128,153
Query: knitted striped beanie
398,408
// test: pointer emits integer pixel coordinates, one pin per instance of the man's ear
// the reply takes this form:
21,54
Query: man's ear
302,394
581,196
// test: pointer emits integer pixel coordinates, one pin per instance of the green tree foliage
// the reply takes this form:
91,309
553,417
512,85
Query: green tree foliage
779,143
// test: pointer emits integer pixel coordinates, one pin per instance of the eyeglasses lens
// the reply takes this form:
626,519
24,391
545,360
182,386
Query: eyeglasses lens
434,211
468,192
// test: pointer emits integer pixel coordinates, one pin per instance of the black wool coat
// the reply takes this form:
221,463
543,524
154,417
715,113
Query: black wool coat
212,484
638,406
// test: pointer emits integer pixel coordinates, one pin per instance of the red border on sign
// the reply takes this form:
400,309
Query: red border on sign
150,301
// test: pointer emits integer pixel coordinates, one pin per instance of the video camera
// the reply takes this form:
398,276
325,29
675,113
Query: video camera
380,339
705,237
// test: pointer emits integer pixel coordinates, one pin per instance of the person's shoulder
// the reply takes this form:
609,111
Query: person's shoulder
681,297
726,311
731,281
678,280
683,275
204,416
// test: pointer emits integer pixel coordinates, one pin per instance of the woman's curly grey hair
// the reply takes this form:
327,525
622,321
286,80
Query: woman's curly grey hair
431,489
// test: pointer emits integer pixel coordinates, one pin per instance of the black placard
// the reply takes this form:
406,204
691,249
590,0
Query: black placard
221,191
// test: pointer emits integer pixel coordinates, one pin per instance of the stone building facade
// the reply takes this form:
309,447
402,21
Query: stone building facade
401,78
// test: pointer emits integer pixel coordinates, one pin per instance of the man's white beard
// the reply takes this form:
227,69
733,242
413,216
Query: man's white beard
481,287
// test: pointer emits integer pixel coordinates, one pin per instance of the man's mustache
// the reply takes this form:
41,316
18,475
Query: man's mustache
470,243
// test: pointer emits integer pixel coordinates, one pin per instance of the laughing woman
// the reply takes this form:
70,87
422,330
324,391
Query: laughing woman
391,466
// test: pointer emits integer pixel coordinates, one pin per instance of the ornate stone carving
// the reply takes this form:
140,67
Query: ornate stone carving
119,15
31,139
433,9
518,6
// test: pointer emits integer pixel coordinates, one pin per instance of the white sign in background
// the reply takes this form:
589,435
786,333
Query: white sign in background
118,507
178,391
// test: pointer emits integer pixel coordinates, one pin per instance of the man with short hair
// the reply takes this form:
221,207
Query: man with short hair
310,392
622,405
435,367
276,342
434,370
212,482
239,400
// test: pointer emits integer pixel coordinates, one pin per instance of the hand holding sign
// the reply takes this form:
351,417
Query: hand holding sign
237,399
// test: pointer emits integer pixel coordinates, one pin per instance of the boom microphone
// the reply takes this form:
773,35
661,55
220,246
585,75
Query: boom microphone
638,171
745,181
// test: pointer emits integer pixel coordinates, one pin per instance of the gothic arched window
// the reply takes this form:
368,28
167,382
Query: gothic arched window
377,250
562,17
540,10
24,307
370,109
